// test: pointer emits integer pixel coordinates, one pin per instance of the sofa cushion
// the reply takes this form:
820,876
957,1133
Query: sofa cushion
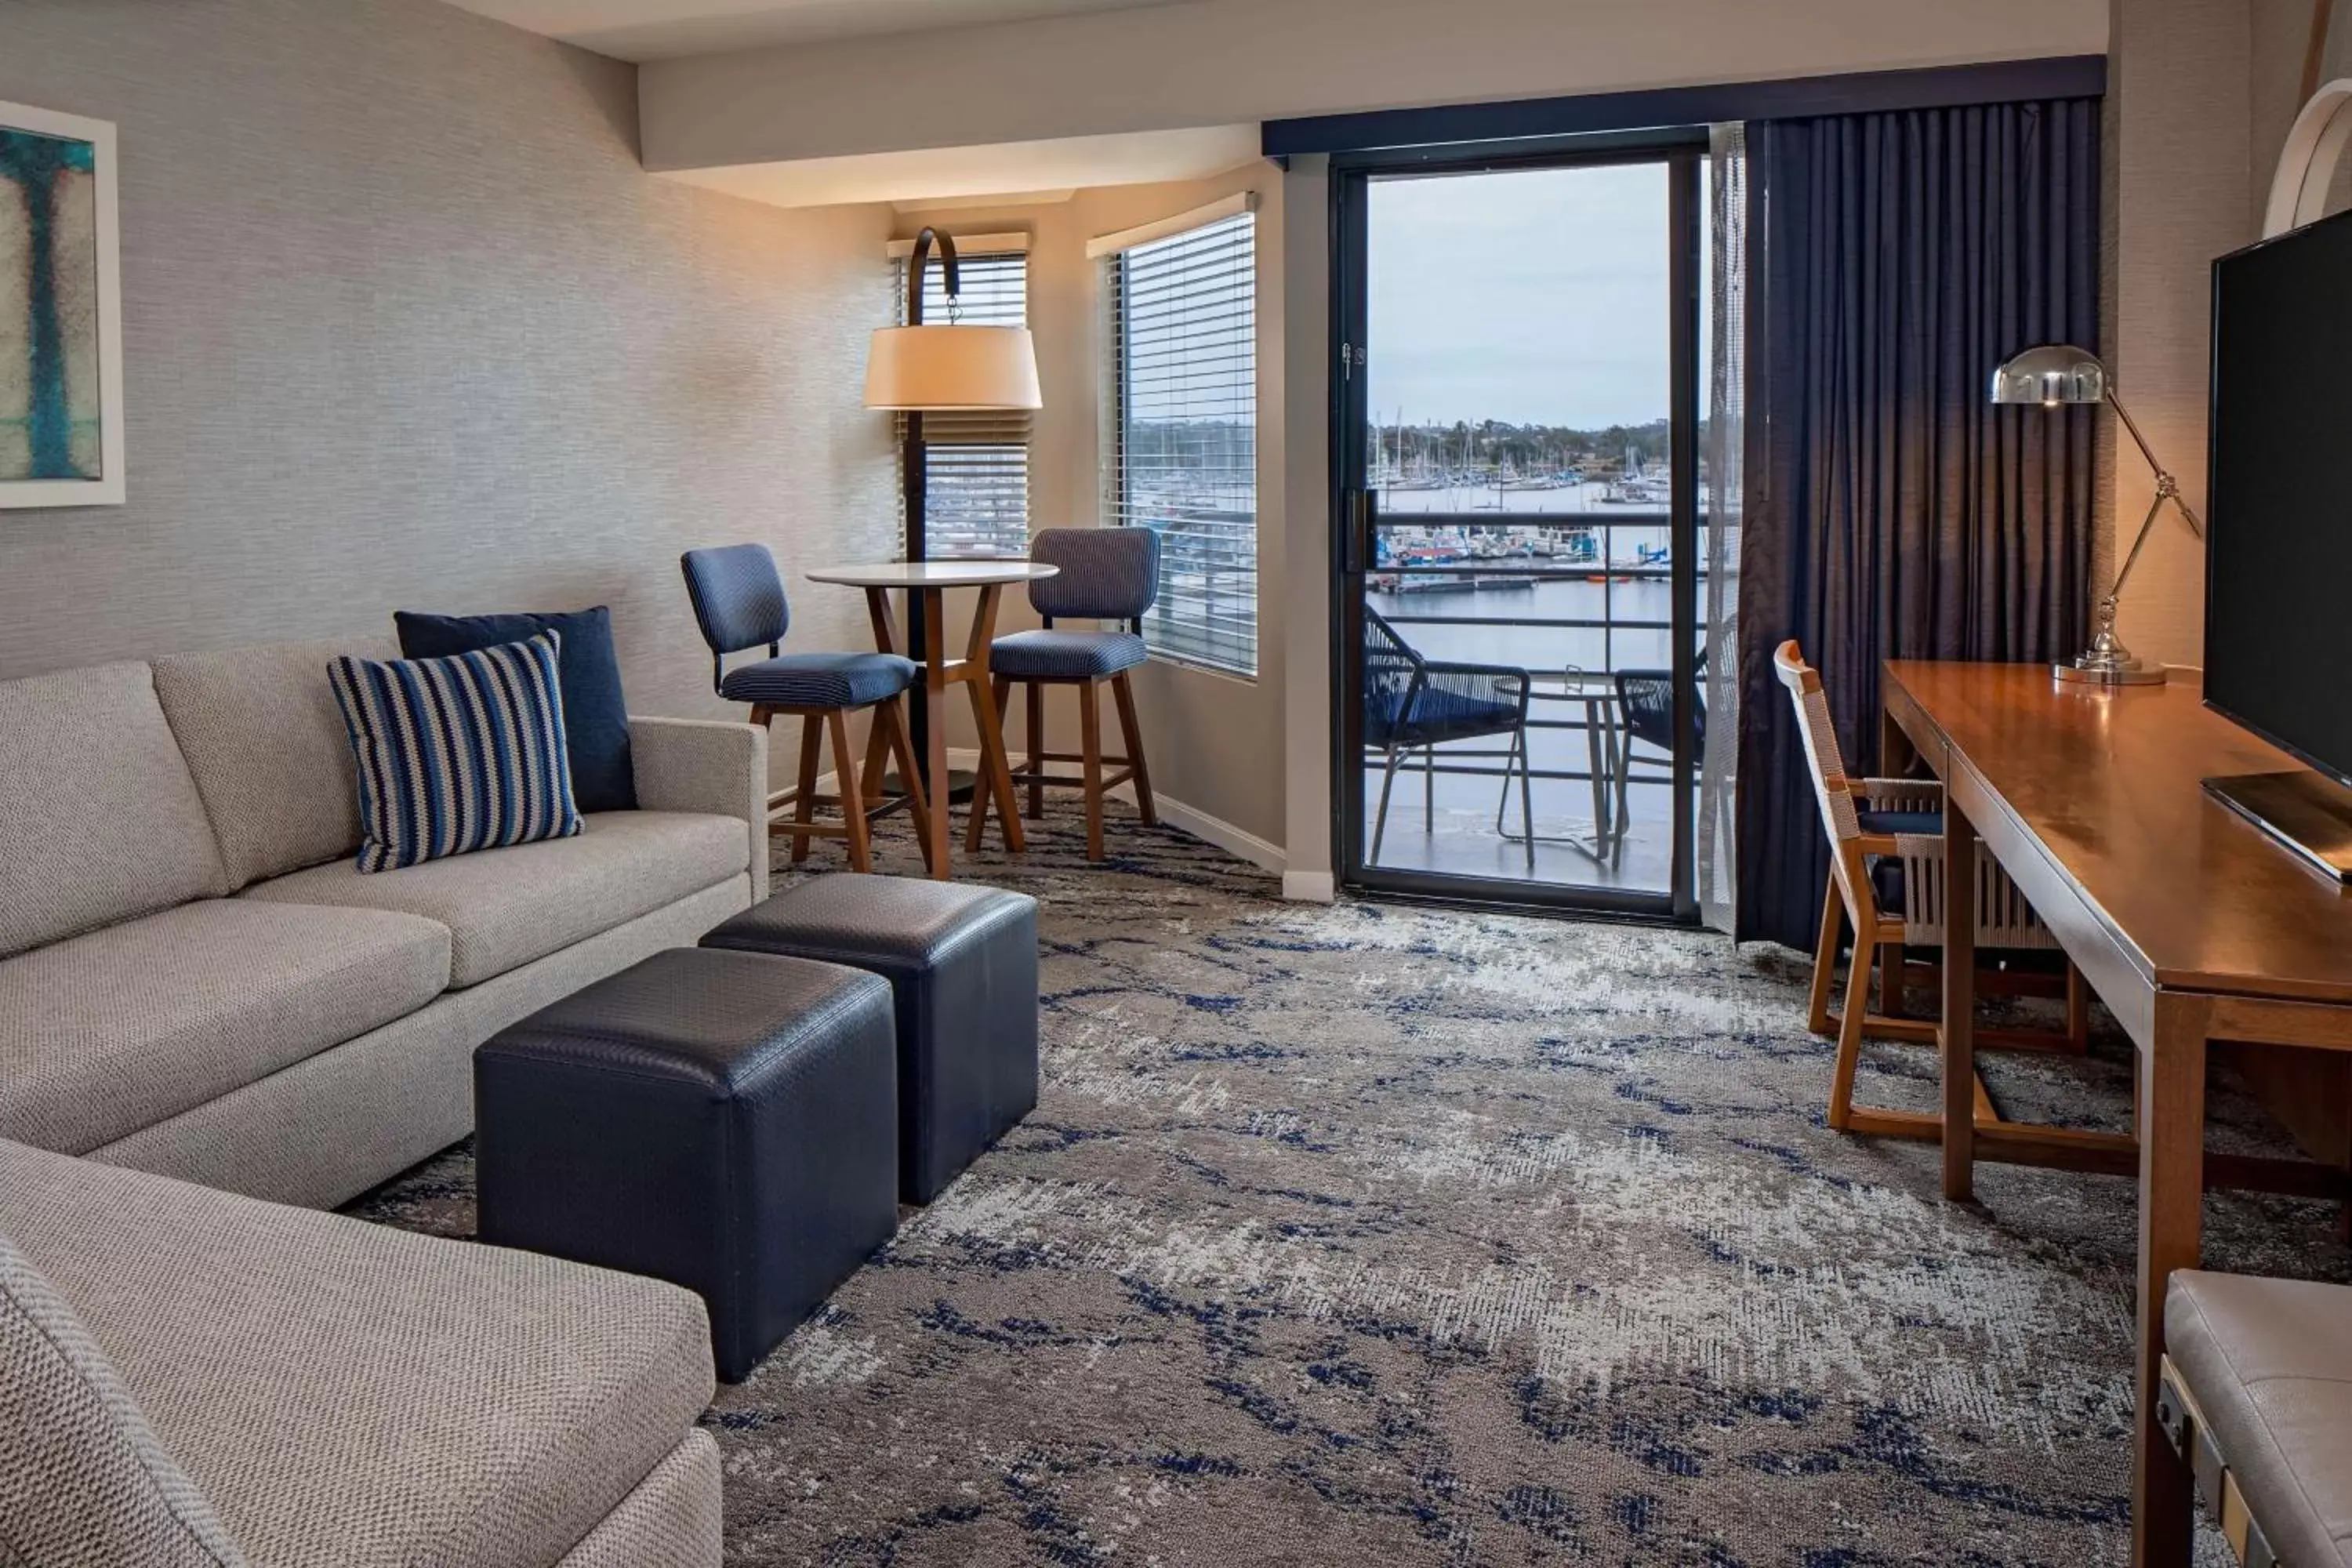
507,907
457,754
349,1393
116,1030
83,1482
267,743
596,715
101,821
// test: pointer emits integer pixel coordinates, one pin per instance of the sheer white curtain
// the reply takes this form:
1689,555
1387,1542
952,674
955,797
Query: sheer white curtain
1720,597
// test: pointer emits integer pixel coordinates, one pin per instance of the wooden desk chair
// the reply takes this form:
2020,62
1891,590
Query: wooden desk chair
739,603
1106,575
1886,843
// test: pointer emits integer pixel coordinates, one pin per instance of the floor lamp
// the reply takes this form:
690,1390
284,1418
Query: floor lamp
2056,375
919,369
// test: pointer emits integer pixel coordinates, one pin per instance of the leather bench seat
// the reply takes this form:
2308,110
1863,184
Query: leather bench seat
2269,1362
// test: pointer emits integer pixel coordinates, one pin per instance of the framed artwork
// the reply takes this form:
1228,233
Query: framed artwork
60,312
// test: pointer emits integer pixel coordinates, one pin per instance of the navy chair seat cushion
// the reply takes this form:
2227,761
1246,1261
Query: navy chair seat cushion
596,715
1885,871
820,680
1437,715
1069,655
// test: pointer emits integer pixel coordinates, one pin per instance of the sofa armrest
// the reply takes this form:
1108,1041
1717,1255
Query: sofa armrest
706,765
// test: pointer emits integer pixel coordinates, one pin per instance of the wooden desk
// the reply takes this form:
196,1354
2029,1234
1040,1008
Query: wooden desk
932,579
2190,925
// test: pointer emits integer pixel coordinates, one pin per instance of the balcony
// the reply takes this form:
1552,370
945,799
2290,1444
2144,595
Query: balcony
1583,603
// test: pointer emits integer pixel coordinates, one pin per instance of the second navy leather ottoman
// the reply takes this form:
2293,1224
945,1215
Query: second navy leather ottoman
723,1121
962,960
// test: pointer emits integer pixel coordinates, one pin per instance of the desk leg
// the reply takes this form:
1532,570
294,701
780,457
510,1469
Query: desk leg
1959,1033
935,733
2172,1219
1895,752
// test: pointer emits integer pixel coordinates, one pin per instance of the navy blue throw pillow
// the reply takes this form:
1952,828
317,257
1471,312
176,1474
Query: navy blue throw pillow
596,718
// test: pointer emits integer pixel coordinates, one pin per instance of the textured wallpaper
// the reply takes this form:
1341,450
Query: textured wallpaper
408,326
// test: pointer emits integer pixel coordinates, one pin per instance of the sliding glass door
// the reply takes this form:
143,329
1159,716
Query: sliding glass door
1517,472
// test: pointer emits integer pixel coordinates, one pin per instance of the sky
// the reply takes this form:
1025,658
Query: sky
1532,297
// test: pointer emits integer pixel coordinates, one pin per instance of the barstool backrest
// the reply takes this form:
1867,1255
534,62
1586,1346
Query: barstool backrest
1108,573
738,600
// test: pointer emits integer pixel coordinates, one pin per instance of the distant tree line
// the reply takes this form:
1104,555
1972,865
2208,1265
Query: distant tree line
1491,444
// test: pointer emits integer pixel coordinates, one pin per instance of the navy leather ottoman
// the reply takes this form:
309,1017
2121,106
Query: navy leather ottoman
962,960
727,1121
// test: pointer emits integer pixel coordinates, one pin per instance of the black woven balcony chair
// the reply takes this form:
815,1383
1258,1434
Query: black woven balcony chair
1416,704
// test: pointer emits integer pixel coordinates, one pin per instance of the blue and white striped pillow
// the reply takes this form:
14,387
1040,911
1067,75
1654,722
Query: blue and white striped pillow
459,753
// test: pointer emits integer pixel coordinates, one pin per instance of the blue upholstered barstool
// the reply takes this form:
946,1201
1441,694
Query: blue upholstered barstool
739,602
1108,575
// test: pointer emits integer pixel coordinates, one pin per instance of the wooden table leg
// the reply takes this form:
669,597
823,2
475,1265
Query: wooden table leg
1895,752
1957,1033
935,733
995,769
2172,1219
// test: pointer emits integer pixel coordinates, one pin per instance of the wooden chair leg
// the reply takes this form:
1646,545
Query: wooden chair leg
1036,769
1132,732
852,793
1090,750
1817,1014
1849,1049
1890,979
878,760
890,723
804,797
2078,1010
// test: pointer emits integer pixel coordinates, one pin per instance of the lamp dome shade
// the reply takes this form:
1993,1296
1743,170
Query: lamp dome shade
2051,374
948,369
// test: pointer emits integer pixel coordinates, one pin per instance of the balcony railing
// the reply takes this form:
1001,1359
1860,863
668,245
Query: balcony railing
1493,760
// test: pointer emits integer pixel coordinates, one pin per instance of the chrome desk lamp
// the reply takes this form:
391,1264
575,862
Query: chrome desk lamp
2053,375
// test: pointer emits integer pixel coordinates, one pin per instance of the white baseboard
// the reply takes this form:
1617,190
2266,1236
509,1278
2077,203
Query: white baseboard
1310,887
1235,841
1216,830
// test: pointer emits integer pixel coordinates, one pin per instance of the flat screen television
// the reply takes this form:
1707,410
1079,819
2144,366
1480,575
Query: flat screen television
2278,596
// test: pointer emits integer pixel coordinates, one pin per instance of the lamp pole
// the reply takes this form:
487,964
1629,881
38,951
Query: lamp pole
914,486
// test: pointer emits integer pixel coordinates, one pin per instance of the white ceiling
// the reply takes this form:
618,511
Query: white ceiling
665,29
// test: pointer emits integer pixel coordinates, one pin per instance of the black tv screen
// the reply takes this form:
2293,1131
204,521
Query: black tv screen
2278,597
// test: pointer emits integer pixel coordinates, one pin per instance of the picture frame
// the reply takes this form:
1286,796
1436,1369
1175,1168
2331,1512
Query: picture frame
61,433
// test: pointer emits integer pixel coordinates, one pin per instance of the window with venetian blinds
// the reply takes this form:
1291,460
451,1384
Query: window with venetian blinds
976,500
1180,453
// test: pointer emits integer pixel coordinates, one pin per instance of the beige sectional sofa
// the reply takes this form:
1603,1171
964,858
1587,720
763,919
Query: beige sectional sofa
203,1004
195,978
193,1378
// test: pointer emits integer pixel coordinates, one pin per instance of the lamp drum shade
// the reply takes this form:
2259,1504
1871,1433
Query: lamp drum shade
946,369
2052,376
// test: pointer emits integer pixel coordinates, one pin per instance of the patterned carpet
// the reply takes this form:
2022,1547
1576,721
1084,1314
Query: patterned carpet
1374,1235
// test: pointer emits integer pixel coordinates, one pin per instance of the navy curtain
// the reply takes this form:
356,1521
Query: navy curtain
1891,511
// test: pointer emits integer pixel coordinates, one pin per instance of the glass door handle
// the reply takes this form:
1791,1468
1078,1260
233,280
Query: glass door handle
1362,518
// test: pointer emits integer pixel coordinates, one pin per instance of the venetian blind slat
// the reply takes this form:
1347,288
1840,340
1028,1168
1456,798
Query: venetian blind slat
1181,383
